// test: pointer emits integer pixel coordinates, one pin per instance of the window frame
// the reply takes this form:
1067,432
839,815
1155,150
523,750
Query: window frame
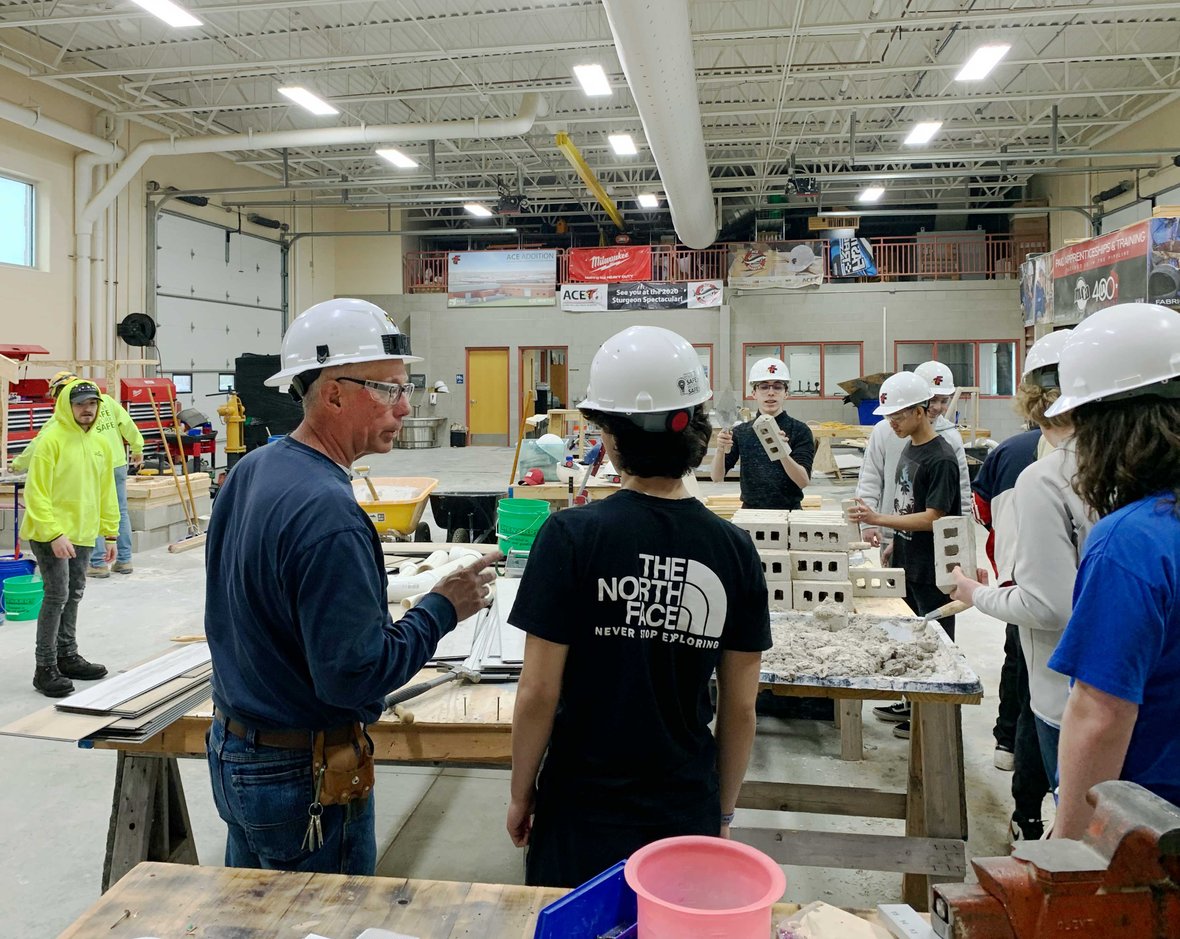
1017,348
822,344
31,222
707,345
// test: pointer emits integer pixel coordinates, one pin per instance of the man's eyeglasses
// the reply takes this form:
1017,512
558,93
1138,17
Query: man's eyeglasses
770,386
382,392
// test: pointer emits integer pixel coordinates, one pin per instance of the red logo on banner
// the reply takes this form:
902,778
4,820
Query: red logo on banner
610,265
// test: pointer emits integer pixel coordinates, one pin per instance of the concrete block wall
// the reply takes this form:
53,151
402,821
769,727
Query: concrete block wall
875,314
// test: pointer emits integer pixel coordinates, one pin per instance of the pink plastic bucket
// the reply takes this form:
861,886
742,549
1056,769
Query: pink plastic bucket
707,888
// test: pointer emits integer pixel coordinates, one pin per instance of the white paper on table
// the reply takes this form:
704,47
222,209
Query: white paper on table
372,933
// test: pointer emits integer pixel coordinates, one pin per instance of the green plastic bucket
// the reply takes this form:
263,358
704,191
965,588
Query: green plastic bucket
23,596
519,522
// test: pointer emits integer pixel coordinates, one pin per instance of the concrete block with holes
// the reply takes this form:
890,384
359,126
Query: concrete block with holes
778,593
877,581
954,546
821,531
776,565
769,528
808,594
766,430
819,565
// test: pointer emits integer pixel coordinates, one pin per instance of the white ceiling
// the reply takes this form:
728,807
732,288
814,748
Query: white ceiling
832,84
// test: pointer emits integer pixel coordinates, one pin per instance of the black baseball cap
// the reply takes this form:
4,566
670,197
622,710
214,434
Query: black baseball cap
84,392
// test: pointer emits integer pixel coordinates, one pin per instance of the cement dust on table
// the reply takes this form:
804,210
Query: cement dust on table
830,642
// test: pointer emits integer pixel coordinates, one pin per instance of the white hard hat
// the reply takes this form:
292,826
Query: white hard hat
769,369
1125,350
1046,351
938,377
901,391
551,445
649,374
340,332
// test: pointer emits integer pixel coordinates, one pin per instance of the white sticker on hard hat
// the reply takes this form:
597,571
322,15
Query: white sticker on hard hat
689,384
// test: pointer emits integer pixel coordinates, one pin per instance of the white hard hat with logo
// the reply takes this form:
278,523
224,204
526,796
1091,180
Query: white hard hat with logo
901,391
650,375
1044,356
769,369
937,376
339,332
1124,351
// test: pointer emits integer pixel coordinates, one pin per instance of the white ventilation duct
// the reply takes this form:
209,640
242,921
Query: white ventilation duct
654,45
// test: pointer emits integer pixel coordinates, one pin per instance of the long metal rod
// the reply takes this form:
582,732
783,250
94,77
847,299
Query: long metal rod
890,213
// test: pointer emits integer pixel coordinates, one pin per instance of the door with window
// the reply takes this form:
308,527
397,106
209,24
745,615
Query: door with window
487,396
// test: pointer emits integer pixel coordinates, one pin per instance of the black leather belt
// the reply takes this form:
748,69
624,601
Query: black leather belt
285,739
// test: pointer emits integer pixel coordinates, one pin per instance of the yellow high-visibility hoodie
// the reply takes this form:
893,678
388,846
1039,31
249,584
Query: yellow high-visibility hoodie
70,489
113,422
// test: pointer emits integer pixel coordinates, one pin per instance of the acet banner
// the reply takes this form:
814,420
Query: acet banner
610,265
502,278
640,295
762,264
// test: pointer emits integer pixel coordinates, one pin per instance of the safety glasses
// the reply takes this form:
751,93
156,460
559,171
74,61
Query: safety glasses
770,386
383,392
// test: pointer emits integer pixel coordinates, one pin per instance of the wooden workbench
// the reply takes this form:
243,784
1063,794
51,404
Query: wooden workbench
181,900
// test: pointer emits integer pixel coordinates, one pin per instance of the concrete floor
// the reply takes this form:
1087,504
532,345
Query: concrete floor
445,824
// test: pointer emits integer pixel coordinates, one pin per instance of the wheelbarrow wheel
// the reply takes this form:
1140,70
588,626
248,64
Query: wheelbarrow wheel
461,536
422,532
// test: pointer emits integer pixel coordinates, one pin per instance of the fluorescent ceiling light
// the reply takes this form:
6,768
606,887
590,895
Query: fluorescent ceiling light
622,144
648,200
593,80
169,12
982,61
871,194
476,209
923,132
397,158
305,99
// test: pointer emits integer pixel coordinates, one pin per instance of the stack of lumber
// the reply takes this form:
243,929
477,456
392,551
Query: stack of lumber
130,706
724,505
155,509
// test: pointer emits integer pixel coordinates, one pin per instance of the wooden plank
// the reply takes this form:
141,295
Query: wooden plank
850,711
914,888
135,681
149,700
943,856
49,723
821,800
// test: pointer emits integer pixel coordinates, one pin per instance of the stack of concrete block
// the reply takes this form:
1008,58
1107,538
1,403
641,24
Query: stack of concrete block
819,559
770,532
157,515
954,546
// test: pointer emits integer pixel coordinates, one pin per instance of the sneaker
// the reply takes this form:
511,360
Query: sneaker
122,567
902,730
74,666
1003,758
1025,829
98,570
893,713
51,683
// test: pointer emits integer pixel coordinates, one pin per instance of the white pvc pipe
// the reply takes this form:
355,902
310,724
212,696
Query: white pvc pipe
34,120
654,44
401,587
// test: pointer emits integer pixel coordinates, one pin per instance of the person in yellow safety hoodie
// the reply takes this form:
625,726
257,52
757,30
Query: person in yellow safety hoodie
69,501
116,425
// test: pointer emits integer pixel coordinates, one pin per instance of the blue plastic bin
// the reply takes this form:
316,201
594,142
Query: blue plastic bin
604,904
865,410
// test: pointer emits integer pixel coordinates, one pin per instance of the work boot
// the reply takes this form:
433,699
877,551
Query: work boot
122,567
74,666
98,570
51,683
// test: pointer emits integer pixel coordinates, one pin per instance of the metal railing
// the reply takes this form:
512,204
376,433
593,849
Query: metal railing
907,258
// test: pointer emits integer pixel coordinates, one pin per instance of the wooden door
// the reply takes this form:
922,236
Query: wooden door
487,396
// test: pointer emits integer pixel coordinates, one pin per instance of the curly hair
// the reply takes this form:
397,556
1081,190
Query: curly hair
661,453
1127,451
1032,401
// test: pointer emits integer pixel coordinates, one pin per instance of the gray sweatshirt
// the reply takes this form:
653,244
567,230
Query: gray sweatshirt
877,482
1044,527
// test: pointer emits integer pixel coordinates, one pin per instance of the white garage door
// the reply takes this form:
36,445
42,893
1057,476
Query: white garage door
218,294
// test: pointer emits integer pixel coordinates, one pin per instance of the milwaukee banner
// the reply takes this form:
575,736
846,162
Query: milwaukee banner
640,295
610,265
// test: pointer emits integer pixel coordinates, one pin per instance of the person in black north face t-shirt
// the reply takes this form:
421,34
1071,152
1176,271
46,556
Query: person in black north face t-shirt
630,605
767,483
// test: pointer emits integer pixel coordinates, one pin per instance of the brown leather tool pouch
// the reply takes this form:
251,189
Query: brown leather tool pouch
343,769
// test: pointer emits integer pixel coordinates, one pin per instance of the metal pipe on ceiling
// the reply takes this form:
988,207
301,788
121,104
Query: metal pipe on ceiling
1015,210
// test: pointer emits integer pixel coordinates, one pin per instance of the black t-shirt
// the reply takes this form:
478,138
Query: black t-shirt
647,593
927,478
765,484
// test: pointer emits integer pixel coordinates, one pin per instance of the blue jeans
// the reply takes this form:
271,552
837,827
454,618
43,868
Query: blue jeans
123,547
263,793
1049,736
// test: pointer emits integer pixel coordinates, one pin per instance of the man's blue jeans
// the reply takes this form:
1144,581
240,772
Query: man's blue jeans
262,794
123,547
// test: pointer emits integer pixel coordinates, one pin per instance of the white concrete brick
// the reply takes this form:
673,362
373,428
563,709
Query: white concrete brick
766,430
769,529
808,594
820,531
954,546
779,593
819,565
776,565
877,581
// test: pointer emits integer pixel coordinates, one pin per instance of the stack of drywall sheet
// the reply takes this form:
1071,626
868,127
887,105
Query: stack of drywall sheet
487,641
130,706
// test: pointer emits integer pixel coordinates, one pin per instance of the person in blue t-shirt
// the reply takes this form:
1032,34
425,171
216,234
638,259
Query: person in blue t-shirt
1120,380
295,606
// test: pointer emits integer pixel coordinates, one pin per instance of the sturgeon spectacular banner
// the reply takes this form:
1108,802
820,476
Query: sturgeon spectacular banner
640,295
1100,272
610,265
